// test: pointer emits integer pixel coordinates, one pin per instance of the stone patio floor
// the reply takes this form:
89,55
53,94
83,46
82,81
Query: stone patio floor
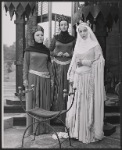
13,137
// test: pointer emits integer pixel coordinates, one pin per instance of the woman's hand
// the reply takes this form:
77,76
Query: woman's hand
91,62
79,63
66,54
71,83
60,54
52,83
25,83
87,62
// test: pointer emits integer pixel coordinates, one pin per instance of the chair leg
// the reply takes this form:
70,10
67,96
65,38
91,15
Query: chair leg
25,132
67,131
36,130
54,132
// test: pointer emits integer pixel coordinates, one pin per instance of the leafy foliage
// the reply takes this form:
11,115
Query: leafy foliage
9,52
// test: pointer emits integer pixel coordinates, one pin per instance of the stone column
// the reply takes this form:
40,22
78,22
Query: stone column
30,24
76,6
120,87
20,46
101,33
72,16
50,21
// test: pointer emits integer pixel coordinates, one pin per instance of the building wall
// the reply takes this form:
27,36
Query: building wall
113,52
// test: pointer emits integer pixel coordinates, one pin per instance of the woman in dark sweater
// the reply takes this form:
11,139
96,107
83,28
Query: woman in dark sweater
61,48
37,71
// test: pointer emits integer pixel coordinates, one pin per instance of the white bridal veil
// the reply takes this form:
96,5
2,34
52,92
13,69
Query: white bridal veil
83,46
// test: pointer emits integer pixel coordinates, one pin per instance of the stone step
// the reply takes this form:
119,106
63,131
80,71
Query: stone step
9,83
17,119
109,129
113,119
13,109
12,87
14,101
9,96
9,90
110,108
8,122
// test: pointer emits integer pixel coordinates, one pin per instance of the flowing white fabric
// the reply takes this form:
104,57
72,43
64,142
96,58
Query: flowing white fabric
83,46
85,118
60,135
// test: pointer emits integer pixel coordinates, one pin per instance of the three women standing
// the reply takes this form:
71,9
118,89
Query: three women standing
61,48
37,70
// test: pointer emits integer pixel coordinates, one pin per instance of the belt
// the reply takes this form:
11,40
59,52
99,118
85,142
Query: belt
41,74
61,62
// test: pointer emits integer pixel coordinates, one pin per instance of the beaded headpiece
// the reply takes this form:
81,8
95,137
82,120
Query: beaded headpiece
62,18
87,23
37,28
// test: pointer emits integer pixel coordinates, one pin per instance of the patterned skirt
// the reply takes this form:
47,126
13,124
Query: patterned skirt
41,97
60,83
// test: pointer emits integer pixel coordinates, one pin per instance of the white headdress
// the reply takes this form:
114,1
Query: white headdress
82,46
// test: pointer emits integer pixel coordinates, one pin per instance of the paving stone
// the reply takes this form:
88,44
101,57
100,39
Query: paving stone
13,138
8,122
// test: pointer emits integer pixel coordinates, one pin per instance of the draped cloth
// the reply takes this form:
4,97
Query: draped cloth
39,48
64,37
85,118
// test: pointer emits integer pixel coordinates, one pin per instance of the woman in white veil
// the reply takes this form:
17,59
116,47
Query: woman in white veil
86,74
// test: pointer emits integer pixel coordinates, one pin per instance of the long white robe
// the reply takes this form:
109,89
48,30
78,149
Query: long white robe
85,118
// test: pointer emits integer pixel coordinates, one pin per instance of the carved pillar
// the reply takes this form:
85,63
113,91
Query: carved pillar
120,14
120,88
20,46
73,9
76,6
30,24
21,10
101,32
50,21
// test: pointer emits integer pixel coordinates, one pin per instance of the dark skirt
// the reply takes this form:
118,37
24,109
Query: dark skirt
60,83
41,97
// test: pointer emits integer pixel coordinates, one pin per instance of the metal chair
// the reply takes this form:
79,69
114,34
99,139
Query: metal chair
45,115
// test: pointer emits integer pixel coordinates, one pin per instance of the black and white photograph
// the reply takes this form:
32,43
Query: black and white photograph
61,74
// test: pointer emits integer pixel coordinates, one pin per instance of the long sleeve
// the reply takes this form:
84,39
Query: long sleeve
99,95
26,65
86,63
98,54
71,54
50,70
52,46
72,69
74,42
